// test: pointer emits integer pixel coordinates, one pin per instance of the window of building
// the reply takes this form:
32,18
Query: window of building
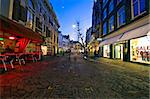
31,4
23,14
45,17
105,28
111,24
30,19
104,14
16,10
38,24
111,6
47,32
138,7
118,1
104,2
41,9
121,16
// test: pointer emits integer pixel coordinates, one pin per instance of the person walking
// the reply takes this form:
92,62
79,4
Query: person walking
95,55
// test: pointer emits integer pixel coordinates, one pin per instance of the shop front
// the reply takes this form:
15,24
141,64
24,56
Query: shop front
109,48
140,50
137,46
17,37
132,45
118,51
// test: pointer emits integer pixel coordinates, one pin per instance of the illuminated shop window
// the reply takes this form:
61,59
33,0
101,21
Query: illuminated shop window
106,51
140,50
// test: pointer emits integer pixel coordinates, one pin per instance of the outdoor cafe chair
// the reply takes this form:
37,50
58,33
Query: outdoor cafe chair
31,56
20,57
5,60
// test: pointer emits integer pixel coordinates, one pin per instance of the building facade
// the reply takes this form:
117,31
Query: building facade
88,35
96,27
32,20
60,44
90,44
125,30
66,43
96,18
76,47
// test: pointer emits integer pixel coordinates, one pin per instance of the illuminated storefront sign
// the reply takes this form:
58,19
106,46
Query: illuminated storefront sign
1,39
140,50
106,51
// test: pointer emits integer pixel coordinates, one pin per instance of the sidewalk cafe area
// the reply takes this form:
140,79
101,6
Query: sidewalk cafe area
18,44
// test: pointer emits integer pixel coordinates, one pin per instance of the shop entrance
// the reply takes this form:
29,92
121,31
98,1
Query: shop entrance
118,51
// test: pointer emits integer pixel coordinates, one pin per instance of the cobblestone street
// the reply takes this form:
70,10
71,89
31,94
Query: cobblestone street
78,78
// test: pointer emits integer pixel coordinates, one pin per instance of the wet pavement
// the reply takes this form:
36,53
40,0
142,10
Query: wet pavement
60,77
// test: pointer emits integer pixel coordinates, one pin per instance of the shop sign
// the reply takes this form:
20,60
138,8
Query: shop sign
140,50
1,39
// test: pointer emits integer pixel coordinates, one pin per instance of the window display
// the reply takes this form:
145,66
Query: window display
118,49
140,49
106,51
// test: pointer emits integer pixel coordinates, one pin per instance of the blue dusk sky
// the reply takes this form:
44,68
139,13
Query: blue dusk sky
70,11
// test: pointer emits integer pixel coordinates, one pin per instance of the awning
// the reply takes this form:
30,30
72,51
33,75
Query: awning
135,33
9,26
111,40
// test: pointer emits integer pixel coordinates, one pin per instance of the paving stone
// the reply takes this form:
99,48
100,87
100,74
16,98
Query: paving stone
50,79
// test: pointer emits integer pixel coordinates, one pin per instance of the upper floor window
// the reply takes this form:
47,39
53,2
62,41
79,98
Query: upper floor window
41,9
111,6
111,24
121,16
138,7
118,1
104,14
104,2
45,17
105,28
30,4
47,32
30,19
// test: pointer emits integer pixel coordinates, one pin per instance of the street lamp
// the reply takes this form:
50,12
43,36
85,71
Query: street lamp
73,26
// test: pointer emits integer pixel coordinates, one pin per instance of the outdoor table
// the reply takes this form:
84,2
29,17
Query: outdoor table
17,57
32,54
20,58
